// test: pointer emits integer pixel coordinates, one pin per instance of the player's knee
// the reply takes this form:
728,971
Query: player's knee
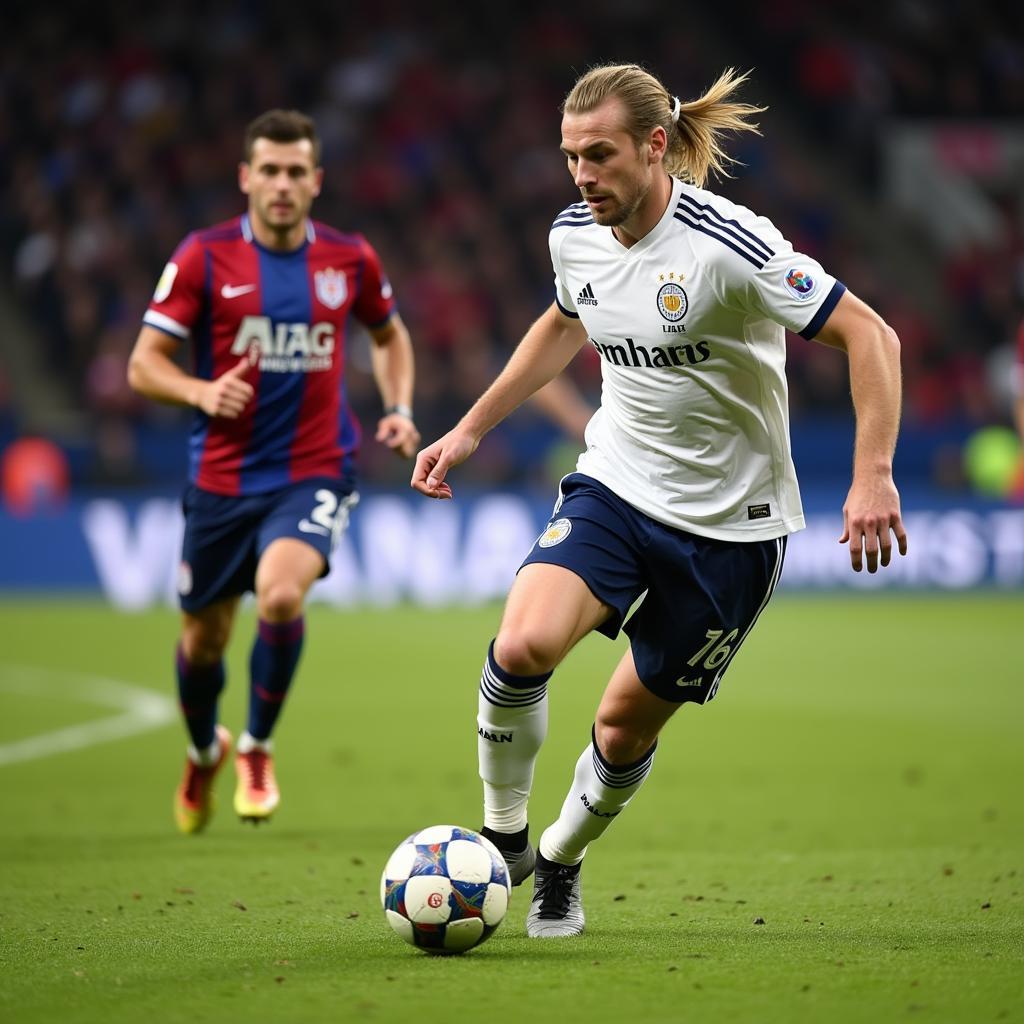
522,654
619,743
280,602
204,643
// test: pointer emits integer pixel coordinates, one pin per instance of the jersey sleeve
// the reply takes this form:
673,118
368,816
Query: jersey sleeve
375,303
563,297
758,270
180,292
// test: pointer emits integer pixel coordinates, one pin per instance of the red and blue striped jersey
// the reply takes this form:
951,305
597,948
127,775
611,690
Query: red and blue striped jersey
287,312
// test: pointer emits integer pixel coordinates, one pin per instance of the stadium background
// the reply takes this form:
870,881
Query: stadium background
893,151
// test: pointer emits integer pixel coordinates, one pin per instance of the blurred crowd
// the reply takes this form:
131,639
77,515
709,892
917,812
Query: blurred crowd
121,128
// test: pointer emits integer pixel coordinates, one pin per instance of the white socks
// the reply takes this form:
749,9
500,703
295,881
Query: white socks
512,722
247,743
598,794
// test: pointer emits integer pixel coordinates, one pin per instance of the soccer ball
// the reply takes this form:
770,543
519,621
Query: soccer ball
445,889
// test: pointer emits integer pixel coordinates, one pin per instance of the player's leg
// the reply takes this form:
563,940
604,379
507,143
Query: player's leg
549,609
580,575
704,599
296,536
284,574
199,665
217,563
609,772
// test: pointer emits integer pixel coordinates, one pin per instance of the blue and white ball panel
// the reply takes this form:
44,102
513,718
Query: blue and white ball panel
462,935
468,861
445,889
428,899
434,834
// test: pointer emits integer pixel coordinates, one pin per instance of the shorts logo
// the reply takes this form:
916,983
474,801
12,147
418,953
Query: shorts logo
672,302
331,287
184,579
800,283
683,681
555,533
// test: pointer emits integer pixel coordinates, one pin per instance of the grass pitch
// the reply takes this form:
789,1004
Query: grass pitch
855,787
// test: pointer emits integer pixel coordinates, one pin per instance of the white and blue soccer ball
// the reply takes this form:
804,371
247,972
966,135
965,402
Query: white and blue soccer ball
445,889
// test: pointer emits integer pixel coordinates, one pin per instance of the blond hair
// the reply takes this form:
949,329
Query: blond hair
694,131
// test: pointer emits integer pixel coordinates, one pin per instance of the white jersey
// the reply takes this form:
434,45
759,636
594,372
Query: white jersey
693,426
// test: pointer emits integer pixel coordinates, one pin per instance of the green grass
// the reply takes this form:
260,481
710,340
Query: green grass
856,784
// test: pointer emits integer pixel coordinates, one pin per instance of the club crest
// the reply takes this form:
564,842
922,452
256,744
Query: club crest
331,287
672,302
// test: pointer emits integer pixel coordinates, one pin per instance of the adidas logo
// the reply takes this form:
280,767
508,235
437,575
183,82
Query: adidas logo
586,297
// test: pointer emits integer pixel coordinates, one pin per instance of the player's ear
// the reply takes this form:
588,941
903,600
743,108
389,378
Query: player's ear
243,177
318,181
657,145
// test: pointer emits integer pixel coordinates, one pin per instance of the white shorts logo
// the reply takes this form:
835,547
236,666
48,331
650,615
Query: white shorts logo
184,579
555,533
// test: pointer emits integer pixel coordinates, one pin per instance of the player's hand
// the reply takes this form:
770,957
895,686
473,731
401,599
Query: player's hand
433,463
399,433
229,394
870,515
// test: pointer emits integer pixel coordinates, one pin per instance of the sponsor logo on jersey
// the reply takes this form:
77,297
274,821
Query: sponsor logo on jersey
594,810
586,296
331,287
655,357
494,737
672,302
759,511
555,533
285,348
233,291
800,283
166,282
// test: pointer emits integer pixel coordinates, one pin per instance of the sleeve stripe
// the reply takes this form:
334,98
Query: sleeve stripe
162,322
564,311
755,244
824,311
571,223
712,234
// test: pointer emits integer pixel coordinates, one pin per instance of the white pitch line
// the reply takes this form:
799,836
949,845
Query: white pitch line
140,710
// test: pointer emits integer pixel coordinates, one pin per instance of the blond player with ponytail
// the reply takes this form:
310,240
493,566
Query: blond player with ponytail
673,527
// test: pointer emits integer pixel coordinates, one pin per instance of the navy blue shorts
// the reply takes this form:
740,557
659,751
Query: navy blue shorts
226,535
701,597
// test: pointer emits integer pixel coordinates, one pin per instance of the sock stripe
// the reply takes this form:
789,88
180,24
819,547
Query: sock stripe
270,695
622,777
282,632
502,695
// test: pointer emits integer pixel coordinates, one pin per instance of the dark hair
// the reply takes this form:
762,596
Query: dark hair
694,136
282,126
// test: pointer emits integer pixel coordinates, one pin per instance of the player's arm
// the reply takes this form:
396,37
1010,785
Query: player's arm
872,509
560,400
153,372
543,353
394,370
